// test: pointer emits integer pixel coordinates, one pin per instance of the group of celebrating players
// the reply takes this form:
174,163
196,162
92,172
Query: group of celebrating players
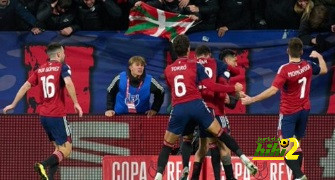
200,91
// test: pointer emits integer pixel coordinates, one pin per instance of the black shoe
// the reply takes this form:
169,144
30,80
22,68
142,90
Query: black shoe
39,168
185,174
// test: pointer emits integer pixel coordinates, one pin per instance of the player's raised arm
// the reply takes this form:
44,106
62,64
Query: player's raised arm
205,80
24,88
322,63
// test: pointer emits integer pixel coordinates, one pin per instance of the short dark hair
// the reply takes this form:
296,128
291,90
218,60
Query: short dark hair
53,47
181,44
202,50
295,47
226,52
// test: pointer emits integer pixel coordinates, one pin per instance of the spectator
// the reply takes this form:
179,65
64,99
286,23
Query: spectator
9,9
276,14
96,14
129,92
304,8
174,6
58,15
122,23
321,19
32,7
169,5
207,10
233,15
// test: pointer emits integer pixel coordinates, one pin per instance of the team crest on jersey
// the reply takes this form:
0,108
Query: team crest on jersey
69,70
133,99
227,74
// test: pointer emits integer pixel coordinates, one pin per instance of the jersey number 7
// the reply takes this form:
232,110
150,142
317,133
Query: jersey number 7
303,80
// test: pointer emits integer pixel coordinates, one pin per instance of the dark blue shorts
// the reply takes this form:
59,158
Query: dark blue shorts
191,126
183,113
223,121
57,129
293,124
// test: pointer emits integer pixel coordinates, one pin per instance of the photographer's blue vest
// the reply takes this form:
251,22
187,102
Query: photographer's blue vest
139,96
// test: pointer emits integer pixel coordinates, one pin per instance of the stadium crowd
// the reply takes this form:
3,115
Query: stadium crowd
69,16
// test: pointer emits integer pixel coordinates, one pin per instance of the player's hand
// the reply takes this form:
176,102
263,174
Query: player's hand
78,109
242,94
333,28
227,99
247,100
7,108
109,113
151,113
238,87
314,54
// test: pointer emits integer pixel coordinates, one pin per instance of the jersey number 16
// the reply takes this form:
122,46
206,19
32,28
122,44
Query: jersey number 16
48,86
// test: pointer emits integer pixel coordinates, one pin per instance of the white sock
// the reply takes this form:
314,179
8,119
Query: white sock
185,169
158,176
244,159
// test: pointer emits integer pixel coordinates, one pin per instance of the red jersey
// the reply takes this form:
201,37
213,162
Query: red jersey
182,77
294,81
211,70
219,100
49,79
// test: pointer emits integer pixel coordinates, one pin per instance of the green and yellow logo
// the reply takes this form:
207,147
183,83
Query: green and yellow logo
269,149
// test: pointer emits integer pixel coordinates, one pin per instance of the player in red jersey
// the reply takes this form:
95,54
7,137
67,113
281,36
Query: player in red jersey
183,77
219,150
294,81
215,70
226,100
51,78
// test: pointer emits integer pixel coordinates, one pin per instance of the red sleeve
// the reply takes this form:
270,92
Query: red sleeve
217,87
33,79
223,81
279,80
234,70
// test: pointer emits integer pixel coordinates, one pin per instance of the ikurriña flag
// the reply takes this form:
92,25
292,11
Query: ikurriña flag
145,19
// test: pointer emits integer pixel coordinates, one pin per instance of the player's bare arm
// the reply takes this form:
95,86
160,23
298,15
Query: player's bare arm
322,63
72,92
24,88
264,95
